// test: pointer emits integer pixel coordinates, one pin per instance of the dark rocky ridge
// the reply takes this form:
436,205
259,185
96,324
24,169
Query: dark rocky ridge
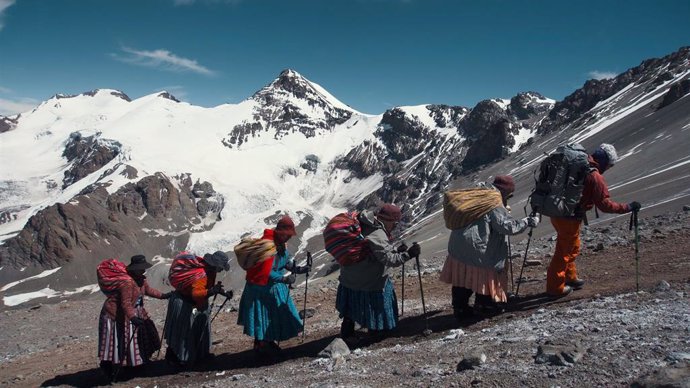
675,93
486,133
168,96
92,93
100,225
86,155
654,71
7,123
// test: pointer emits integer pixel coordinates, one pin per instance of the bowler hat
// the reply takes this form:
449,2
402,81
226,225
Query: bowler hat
138,262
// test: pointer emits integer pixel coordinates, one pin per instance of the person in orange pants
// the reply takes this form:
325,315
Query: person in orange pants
561,277
562,270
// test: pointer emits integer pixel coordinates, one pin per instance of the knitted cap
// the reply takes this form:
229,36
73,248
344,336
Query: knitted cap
606,156
504,183
286,227
389,212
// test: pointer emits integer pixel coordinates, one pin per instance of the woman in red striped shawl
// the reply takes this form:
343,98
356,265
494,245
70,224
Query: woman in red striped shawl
127,335
188,321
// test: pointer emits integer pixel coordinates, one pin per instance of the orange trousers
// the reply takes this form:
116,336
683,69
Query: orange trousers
562,267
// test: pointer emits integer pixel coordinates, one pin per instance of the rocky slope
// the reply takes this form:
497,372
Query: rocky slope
156,213
604,334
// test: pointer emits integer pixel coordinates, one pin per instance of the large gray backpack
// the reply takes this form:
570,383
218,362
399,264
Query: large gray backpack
561,181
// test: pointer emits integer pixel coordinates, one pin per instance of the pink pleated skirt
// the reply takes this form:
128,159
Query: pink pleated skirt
485,281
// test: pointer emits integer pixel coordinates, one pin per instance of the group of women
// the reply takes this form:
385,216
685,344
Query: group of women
365,295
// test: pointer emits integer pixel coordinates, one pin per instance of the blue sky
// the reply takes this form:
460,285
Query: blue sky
371,54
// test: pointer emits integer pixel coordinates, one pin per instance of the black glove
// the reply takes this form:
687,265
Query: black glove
216,289
402,248
228,294
300,270
136,321
635,206
167,295
289,279
415,250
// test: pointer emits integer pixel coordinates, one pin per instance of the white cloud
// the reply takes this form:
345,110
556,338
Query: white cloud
4,4
9,107
5,90
162,59
596,74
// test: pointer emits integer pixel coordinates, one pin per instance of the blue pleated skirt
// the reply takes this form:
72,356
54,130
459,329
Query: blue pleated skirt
268,313
188,333
375,310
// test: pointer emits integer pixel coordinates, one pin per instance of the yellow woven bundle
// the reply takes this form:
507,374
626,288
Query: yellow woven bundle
254,250
463,207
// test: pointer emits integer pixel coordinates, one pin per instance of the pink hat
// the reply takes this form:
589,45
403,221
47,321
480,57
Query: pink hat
505,184
286,227
389,212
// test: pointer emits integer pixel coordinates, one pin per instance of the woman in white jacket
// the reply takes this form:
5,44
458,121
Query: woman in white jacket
477,253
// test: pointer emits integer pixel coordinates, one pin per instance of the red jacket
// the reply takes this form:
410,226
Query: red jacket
596,192
123,302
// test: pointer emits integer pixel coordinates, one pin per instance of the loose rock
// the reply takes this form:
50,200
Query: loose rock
471,360
337,348
662,286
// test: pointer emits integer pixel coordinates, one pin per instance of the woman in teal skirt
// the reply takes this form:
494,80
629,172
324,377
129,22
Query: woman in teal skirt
365,294
267,311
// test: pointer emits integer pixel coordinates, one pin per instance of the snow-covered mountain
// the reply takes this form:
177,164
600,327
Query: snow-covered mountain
99,175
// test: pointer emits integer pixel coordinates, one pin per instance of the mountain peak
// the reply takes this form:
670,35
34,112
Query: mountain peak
291,84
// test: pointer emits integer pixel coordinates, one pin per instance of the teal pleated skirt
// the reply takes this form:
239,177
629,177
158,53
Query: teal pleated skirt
375,310
268,313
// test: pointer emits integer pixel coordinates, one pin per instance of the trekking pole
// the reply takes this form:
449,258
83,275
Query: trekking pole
402,312
306,288
519,281
165,325
119,367
633,221
220,307
510,261
427,331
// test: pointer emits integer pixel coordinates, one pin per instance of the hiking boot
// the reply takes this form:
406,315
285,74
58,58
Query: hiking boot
566,291
463,313
575,284
484,304
347,328
107,369
266,349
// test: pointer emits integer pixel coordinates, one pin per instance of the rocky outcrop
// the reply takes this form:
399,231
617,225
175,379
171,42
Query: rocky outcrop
487,128
7,123
365,160
401,134
92,93
490,145
149,213
168,96
675,93
447,116
431,159
529,105
86,155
